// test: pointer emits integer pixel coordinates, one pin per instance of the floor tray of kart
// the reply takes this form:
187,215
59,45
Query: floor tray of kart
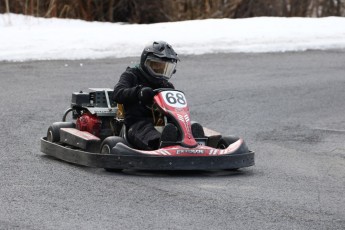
97,137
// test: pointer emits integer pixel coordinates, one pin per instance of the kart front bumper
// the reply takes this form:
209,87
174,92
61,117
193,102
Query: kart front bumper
144,162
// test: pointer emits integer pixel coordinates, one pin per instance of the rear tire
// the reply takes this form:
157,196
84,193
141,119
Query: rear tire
53,133
108,144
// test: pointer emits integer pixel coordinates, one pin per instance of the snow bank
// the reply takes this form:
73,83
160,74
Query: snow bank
29,38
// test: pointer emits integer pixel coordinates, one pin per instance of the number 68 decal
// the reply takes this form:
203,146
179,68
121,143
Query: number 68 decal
174,99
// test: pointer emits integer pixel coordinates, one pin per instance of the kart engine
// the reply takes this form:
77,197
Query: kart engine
90,123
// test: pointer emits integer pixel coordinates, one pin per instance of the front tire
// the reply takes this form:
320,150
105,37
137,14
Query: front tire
225,141
107,145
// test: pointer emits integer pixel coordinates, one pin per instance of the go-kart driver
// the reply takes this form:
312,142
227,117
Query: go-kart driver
135,90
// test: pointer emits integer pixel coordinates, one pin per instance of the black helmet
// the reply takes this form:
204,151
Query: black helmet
159,61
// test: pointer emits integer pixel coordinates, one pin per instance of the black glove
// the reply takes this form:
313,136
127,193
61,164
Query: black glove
145,95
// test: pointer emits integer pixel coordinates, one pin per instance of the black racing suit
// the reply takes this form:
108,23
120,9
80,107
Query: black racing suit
138,118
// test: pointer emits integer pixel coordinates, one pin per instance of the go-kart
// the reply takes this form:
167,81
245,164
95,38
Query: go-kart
98,137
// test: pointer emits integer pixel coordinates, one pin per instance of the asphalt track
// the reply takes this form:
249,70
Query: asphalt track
289,107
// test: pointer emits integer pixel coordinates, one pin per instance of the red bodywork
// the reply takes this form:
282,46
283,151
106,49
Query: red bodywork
173,104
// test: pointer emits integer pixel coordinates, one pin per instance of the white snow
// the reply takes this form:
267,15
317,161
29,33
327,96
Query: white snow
30,38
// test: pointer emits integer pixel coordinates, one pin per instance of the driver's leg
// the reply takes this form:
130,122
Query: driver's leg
144,135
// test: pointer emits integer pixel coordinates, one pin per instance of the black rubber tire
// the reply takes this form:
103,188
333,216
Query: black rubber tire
53,133
108,144
225,141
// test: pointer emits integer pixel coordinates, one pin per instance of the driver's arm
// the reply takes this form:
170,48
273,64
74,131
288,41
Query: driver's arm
126,90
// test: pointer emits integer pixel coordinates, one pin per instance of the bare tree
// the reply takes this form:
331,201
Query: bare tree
152,11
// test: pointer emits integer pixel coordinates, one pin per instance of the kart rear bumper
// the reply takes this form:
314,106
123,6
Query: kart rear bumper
144,162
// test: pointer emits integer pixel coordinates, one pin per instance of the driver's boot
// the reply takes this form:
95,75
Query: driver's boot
197,130
169,135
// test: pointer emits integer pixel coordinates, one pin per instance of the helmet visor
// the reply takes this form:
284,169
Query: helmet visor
160,68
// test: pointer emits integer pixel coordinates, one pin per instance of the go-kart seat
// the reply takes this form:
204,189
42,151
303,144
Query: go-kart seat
120,113
120,116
